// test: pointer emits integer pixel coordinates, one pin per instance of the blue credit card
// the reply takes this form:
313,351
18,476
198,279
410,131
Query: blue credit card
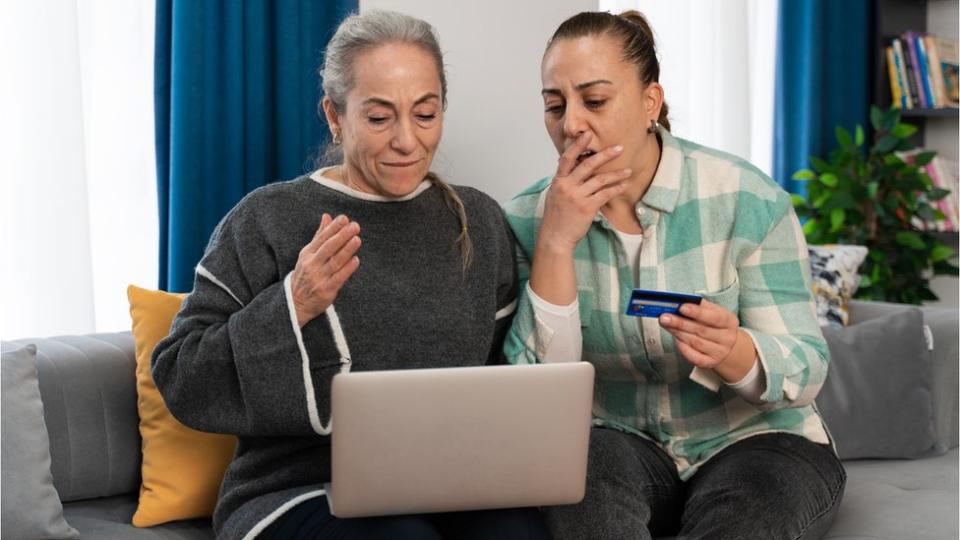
647,303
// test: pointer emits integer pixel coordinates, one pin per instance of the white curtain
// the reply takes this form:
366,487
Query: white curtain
79,219
717,68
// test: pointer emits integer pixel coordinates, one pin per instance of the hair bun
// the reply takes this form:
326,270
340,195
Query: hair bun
638,19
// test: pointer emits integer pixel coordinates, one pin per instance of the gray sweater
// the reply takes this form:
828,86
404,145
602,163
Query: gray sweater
236,362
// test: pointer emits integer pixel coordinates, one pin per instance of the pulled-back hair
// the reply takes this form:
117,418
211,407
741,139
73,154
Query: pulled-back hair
360,33
633,32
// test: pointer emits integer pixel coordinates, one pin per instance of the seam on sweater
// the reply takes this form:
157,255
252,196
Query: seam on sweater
338,338
272,516
213,279
506,311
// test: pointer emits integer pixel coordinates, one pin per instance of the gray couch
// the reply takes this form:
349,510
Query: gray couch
87,387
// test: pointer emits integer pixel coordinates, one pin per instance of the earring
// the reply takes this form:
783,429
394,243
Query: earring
337,139
654,126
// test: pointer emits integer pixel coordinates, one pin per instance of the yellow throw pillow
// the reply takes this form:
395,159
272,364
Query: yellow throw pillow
182,468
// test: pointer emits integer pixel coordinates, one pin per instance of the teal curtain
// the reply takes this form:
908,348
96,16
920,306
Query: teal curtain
822,80
236,93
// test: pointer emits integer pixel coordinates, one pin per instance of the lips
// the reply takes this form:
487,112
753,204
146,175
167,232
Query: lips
401,163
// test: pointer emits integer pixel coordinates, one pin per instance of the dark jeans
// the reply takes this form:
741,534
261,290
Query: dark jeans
771,486
311,520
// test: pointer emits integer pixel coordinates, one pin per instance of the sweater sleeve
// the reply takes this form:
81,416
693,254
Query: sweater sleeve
506,290
777,311
235,360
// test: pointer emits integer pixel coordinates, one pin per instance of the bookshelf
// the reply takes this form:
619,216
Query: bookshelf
937,129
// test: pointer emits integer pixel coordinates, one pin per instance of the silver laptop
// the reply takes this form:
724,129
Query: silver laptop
472,438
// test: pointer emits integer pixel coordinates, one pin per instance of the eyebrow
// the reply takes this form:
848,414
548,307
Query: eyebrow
579,87
388,103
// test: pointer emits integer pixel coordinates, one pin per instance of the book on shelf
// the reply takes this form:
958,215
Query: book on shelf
922,69
948,67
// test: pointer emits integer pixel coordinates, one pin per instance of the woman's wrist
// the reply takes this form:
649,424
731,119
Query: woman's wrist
740,359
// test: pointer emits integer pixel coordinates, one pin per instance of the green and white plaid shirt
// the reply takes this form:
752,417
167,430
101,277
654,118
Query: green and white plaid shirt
714,225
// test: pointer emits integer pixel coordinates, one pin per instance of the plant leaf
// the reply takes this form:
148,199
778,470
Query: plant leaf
903,131
810,227
910,239
922,158
843,137
819,164
936,194
804,174
798,201
941,253
858,136
893,159
837,217
876,118
890,119
872,189
829,180
886,144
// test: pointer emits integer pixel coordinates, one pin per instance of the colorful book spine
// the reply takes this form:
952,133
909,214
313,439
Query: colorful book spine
924,72
909,87
934,69
913,67
906,82
897,97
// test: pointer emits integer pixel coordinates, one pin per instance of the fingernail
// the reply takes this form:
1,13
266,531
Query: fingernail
341,220
618,148
667,319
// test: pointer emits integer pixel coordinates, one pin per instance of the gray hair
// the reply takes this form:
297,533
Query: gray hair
360,33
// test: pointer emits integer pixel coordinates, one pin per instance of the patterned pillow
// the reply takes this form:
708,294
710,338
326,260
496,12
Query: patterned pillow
833,271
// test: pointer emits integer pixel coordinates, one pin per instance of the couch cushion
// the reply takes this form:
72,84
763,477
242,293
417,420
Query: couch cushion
877,398
27,483
89,398
182,468
895,499
109,518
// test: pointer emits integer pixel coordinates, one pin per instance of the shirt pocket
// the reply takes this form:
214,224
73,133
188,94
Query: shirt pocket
728,297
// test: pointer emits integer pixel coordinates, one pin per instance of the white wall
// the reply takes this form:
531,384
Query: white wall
940,134
494,137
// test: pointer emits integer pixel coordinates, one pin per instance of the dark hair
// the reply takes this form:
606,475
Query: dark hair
635,35
360,33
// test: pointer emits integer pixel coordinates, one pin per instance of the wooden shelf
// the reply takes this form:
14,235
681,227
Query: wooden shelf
945,112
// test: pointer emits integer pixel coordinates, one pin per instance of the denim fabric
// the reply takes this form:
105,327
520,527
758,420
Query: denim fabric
770,486
311,520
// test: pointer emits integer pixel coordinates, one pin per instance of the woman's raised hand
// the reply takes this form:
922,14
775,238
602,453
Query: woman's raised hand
323,266
577,193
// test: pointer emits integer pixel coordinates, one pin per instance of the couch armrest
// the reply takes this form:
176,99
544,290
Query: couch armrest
864,310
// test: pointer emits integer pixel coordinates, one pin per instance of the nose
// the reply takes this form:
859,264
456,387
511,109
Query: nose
404,139
574,122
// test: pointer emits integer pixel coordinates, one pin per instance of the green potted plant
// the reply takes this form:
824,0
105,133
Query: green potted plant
876,196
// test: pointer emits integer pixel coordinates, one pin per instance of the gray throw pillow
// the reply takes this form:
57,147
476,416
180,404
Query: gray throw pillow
877,399
30,505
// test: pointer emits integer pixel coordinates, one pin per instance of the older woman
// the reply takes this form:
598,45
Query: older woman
705,425
286,295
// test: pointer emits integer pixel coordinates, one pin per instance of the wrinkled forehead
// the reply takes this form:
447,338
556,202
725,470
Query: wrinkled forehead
398,72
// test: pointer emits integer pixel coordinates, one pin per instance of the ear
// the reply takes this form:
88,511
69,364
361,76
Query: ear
330,112
653,100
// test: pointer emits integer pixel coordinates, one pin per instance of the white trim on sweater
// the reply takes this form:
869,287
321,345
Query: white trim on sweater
338,338
272,516
318,177
213,279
